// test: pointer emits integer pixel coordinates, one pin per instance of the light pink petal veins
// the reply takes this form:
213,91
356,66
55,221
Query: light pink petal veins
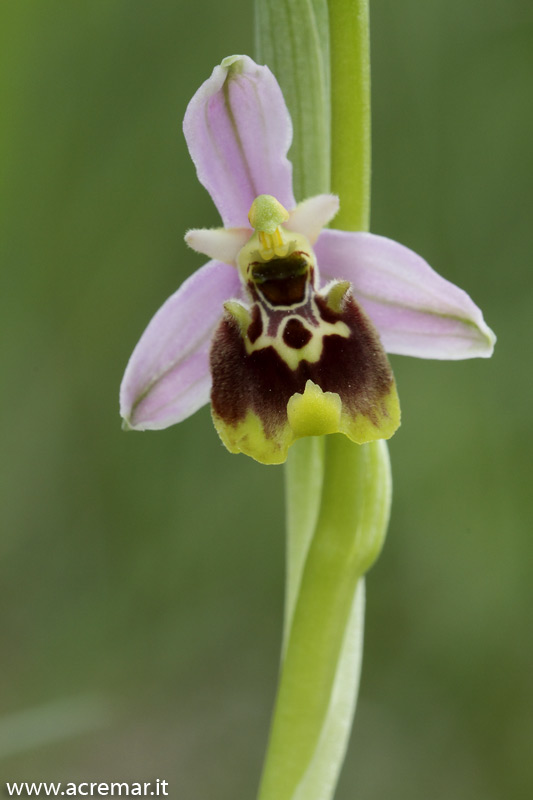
167,378
239,131
416,311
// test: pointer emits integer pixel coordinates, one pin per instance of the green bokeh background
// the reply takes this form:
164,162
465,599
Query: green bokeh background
141,576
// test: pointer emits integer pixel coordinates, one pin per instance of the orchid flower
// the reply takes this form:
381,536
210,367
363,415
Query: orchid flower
286,328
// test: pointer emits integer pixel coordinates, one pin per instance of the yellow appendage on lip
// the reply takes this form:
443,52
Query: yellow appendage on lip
314,413
317,413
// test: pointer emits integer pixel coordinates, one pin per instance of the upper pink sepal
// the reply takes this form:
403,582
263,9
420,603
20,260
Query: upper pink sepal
239,131
167,378
415,310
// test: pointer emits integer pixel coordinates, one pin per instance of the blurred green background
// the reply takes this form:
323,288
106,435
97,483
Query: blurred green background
141,576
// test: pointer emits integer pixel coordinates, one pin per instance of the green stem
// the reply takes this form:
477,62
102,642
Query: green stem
304,476
348,536
350,112
292,38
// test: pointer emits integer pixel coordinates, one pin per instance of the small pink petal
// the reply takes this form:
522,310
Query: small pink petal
416,311
313,214
167,378
238,131
222,244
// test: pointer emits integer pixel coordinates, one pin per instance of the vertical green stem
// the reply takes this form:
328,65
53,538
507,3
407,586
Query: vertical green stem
350,112
304,477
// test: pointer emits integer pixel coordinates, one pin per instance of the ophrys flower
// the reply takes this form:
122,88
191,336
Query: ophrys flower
287,326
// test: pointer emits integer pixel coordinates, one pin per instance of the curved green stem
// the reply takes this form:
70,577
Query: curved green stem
322,659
